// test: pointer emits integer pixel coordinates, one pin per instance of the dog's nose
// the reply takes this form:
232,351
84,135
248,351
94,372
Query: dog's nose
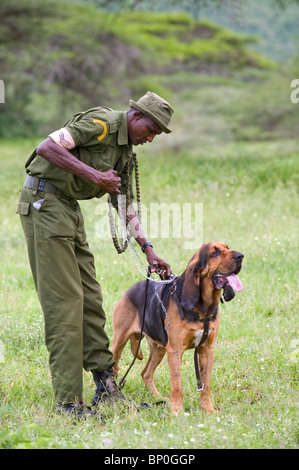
238,256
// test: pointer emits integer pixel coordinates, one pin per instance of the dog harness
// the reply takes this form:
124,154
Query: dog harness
193,316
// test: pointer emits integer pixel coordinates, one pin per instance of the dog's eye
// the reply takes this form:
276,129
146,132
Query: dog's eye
216,252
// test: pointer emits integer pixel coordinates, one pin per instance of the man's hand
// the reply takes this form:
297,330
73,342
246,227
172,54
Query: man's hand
157,263
65,160
154,261
109,181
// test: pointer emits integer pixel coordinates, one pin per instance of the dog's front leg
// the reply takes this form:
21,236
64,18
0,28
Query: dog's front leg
174,361
157,353
206,359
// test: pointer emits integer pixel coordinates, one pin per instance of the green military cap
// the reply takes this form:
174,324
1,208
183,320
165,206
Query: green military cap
156,108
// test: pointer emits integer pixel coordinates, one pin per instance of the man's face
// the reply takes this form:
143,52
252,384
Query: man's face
142,129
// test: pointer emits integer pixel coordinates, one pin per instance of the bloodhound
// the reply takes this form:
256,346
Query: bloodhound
178,316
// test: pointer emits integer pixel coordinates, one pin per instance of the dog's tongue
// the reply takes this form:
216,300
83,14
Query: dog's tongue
235,282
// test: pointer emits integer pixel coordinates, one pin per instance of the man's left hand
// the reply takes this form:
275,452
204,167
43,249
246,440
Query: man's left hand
157,264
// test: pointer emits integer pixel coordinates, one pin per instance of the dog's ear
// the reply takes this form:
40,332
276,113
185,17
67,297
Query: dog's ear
191,277
228,293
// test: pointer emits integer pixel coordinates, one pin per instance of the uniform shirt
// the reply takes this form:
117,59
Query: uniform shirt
99,138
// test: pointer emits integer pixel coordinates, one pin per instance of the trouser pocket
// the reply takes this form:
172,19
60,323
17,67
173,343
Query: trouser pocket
23,208
24,211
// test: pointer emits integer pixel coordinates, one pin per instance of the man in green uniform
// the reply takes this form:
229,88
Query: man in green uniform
86,158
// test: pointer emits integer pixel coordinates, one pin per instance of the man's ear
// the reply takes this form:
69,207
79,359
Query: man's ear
137,115
191,277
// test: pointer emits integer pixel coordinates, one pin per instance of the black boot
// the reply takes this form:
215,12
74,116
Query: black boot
75,410
107,389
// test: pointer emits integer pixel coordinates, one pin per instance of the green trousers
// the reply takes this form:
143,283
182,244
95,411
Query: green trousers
71,299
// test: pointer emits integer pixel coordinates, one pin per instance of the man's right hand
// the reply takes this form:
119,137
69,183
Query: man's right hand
109,181
63,159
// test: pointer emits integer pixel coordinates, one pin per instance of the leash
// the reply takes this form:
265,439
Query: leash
121,247
122,381
136,258
127,243
206,322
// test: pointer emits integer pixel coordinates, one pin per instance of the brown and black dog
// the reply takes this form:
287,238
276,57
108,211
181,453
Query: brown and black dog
175,315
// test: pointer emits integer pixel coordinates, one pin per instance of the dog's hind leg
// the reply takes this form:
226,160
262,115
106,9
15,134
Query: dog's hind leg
156,355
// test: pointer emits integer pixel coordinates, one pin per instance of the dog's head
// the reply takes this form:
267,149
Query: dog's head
213,267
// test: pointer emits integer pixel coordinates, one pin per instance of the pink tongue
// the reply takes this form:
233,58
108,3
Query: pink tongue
235,282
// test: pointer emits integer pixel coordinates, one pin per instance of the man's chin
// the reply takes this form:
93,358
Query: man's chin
137,142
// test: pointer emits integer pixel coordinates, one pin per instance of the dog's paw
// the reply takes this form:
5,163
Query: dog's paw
209,409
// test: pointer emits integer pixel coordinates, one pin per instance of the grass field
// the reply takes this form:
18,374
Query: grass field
250,201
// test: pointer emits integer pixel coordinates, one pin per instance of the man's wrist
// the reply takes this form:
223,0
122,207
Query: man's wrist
145,245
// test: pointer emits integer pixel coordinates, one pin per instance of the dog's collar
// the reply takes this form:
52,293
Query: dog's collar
185,313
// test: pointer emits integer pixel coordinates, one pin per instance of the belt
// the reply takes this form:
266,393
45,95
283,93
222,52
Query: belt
43,185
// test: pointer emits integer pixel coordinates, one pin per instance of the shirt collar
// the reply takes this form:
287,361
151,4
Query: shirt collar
123,138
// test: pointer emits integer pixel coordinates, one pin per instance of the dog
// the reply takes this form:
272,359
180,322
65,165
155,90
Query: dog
179,315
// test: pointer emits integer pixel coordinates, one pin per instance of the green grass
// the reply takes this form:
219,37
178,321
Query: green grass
253,382
250,201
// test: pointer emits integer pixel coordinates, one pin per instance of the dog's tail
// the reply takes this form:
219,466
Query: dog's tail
134,340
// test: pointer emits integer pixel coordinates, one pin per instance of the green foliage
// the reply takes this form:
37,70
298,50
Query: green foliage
56,58
275,23
255,108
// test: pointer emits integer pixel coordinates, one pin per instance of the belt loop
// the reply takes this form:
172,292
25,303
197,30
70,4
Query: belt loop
35,185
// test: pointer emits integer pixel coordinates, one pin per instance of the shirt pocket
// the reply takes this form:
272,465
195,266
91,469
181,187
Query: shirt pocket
104,161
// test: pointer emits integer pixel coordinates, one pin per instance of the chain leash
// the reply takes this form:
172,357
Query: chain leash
121,247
